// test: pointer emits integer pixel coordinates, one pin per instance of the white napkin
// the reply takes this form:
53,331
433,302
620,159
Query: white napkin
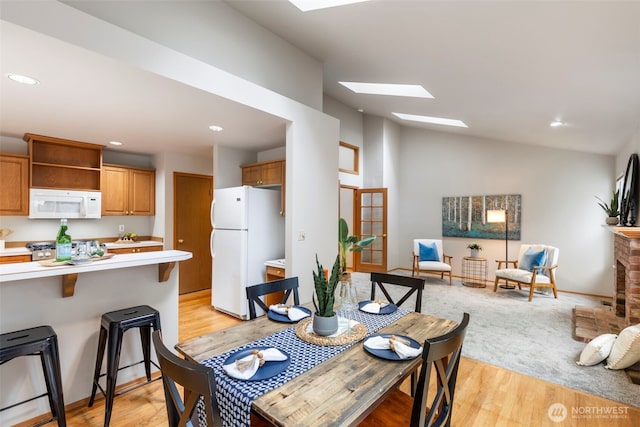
374,306
402,350
343,326
268,355
294,313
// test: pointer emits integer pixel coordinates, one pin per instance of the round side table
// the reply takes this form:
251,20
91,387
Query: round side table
474,272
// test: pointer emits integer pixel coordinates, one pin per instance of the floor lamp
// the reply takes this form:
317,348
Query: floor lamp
500,216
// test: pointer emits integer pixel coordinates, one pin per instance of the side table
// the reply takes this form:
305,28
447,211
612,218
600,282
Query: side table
474,272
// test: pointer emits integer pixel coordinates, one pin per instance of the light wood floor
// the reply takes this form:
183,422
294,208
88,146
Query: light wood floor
485,395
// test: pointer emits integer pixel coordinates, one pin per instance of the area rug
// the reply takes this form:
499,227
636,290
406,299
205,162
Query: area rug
533,338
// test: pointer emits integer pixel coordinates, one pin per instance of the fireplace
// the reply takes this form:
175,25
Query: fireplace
626,300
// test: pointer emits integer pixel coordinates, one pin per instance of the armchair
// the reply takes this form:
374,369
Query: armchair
535,268
428,257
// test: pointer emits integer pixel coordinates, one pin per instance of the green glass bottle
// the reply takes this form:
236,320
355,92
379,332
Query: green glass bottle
63,243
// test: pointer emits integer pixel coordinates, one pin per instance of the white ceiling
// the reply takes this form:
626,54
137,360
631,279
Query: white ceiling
505,68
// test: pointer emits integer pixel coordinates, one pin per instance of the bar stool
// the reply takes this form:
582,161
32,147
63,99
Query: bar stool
113,325
39,341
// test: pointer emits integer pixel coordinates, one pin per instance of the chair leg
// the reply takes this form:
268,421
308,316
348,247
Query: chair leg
145,339
53,380
531,288
450,279
102,340
495,284
113,360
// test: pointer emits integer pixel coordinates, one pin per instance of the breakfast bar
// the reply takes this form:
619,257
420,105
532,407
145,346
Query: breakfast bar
34,294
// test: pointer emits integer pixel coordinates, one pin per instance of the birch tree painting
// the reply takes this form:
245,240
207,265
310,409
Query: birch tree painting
466,216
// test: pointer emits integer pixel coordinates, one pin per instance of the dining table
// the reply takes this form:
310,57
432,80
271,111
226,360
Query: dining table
324,385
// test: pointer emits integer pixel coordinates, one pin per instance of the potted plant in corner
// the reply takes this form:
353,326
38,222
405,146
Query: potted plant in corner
325,320
612,210
475,249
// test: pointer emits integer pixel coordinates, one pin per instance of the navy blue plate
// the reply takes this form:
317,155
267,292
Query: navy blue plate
284,318
268,370
388,353
387,309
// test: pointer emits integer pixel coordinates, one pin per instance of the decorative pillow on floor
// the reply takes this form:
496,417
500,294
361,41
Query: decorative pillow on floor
626,349
597,350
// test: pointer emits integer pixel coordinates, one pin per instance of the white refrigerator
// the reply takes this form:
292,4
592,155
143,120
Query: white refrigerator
247,231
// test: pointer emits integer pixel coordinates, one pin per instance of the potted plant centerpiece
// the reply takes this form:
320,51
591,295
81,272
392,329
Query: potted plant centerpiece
612,210
475,249
325,320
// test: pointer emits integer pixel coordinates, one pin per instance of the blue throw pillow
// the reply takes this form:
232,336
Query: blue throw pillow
428,252
532,258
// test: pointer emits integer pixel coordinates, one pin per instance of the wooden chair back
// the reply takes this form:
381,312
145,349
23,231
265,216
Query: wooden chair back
442,354
415,285
289,285
197,380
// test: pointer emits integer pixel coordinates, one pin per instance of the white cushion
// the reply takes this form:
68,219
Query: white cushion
434,266
597,350
626,349
522,276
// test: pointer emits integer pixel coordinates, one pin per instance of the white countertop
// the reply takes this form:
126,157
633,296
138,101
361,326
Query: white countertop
34,270
136,244
15,251
278,263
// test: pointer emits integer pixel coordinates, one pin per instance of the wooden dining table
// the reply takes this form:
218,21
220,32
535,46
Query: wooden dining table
340,391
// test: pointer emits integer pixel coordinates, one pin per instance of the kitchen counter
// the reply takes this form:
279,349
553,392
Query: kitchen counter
15,251
30,296
277,263
136,244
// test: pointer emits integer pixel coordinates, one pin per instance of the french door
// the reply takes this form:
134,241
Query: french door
370,219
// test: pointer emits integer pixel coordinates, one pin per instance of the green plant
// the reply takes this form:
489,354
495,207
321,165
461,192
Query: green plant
474,246
325,289
613,208
349,243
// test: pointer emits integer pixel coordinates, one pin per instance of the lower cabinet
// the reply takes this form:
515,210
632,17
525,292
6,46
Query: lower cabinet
14,258
135,250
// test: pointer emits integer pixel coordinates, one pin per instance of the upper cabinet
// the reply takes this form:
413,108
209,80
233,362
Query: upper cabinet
265,173
14,185
64,164
128,191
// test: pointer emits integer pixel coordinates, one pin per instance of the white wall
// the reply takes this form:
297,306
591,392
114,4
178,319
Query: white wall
351,124
558,204
392,174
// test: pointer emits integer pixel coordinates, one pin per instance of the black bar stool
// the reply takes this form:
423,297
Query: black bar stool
112,328
39,341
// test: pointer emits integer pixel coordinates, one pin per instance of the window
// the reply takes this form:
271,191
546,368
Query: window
348,158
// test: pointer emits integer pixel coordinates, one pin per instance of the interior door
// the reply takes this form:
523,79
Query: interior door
370,219
192,228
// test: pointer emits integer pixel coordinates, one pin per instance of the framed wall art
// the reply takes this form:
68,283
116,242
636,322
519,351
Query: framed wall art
466,216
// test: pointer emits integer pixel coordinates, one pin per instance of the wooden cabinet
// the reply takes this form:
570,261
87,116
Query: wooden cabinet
14,185
64,164
274,273
135,250
128,191
14,258
265,173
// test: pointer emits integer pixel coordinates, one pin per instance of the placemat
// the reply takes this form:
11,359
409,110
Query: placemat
358,332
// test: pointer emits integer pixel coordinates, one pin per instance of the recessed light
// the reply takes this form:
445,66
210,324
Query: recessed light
556,123
116,143
216,128
434,120
19,78
414,91
307,5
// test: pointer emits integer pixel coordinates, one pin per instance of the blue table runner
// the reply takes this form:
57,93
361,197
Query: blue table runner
236,396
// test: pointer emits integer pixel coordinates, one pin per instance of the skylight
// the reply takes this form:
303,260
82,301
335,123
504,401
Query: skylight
415,91
308,5
434,120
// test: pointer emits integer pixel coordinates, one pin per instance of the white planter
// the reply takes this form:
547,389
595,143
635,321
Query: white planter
475,253
325,325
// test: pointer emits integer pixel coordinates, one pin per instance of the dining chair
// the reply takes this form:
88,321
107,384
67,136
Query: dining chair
416,285
197,380
254,293
443,355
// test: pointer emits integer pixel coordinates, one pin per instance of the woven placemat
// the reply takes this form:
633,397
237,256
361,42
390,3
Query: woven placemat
358,332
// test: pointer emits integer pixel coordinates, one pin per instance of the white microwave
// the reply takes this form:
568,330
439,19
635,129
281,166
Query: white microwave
45,203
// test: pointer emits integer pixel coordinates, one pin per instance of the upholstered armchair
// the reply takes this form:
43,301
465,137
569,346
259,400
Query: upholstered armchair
535,268
428,257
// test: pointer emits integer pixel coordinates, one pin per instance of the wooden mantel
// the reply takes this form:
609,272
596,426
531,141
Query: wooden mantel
630,232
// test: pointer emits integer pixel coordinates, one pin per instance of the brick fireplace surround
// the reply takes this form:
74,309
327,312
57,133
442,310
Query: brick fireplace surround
589,322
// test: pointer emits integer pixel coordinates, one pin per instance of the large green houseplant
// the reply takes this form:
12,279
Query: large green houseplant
349,243
325,320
